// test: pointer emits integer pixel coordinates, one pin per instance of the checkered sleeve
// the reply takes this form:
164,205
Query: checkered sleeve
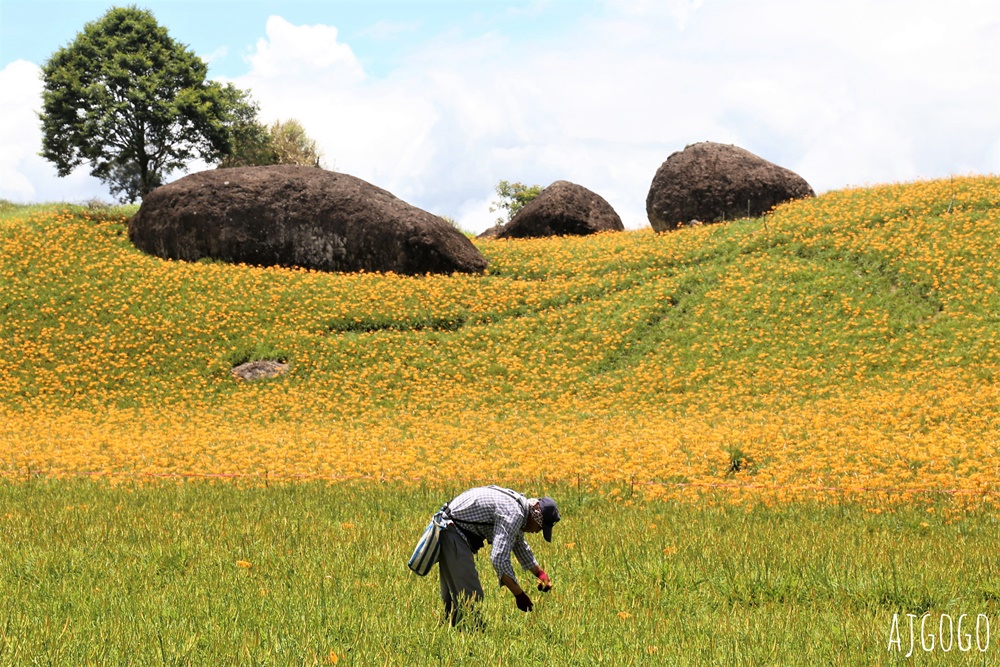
508,537
525,556
505,536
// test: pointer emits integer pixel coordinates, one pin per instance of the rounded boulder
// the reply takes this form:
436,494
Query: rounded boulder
713,182
289,215
562,209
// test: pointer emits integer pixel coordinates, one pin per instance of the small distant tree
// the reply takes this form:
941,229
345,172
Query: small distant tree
283,142
293,146
512,198
133,103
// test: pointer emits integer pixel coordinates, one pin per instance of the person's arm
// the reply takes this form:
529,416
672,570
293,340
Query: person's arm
500,552
511,585
506,536
522,599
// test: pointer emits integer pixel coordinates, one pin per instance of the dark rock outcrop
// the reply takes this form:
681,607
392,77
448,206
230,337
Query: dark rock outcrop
713,182
490,233
562,209
287,215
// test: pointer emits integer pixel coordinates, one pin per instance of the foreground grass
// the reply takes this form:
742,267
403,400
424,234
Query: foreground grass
309,574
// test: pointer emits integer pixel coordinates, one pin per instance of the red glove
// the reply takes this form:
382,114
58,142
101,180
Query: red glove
523,601
546,584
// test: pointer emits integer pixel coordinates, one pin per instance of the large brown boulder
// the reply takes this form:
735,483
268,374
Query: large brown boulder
712,182
288,215
562,209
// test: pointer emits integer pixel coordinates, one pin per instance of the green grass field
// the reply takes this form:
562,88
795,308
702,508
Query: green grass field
768,439
199,573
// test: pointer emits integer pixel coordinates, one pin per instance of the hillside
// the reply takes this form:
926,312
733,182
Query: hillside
847,342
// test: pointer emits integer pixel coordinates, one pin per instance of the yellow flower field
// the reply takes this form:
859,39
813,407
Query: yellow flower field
843,346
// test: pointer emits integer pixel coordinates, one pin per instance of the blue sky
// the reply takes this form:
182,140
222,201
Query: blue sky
436,101
381,31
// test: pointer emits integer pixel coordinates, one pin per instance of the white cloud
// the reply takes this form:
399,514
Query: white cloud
24,175
218,54
385,31
844,95
678,10
296,51
993,161
462,114
19,81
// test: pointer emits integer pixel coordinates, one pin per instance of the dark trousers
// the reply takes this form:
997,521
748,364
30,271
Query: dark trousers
460,586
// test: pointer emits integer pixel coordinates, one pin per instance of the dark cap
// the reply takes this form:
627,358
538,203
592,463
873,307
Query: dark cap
550,516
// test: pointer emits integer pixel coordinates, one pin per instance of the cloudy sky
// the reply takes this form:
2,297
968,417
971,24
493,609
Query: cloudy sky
438,100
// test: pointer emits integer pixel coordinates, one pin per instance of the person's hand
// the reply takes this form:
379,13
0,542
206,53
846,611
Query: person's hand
546,584
523,601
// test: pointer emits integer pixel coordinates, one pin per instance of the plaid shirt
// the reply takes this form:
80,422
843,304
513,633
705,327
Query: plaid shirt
499,516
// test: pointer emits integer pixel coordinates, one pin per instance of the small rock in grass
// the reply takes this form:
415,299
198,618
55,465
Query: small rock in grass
255,370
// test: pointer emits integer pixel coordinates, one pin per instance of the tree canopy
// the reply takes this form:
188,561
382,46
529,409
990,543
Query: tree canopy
293,146
512,198
283,142
249,140
126,98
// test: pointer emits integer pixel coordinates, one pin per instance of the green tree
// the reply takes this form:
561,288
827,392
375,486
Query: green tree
250,141
133,103
512,198
293,146
283,142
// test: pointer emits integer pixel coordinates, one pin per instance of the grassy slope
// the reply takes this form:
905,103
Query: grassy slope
848,341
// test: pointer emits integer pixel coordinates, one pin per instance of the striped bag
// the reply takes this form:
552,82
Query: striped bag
429,546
